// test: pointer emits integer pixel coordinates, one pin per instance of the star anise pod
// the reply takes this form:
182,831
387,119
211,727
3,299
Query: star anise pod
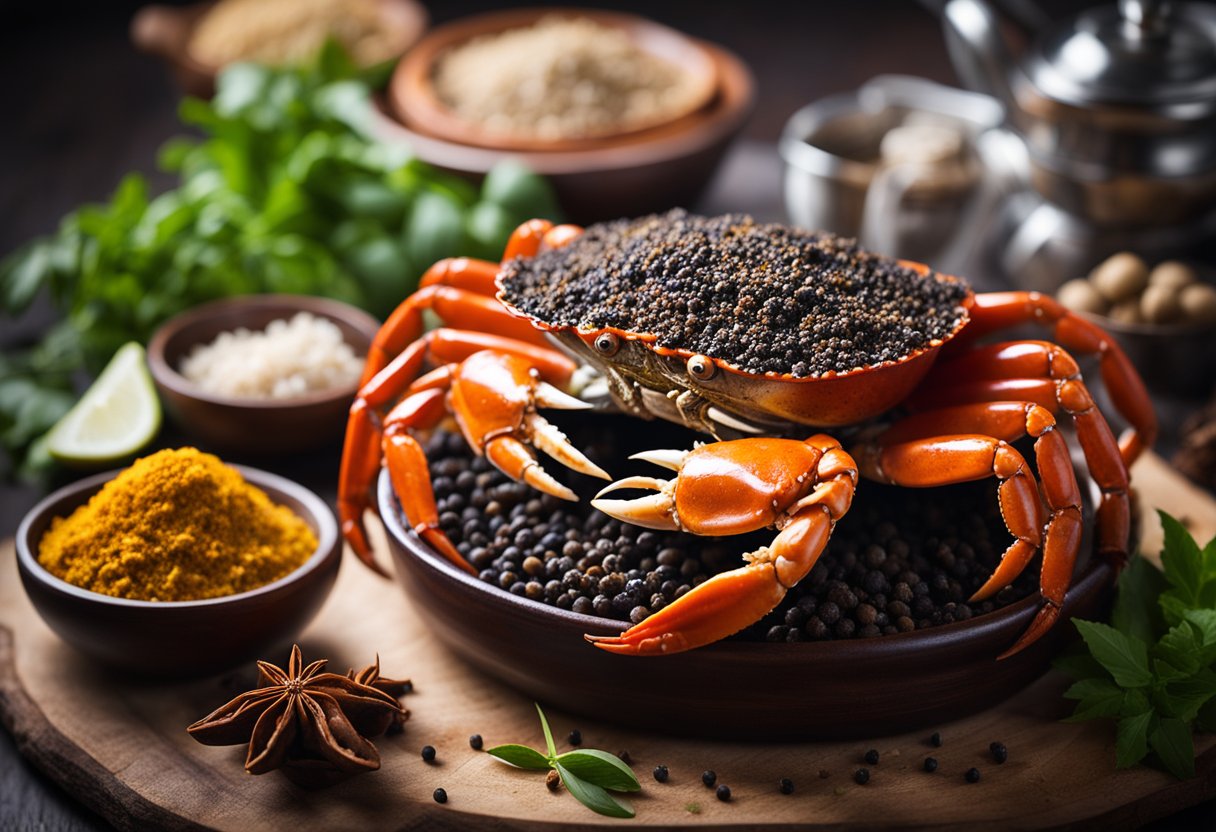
395,688
318,723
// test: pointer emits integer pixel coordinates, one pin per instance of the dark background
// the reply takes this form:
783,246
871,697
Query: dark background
79,108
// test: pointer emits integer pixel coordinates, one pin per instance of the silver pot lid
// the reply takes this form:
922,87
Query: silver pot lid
1159,56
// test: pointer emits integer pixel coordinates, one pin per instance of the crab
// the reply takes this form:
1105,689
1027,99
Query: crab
945,413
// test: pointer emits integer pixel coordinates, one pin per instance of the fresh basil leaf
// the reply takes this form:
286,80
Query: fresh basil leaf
601,769
544,724
1181,559
1181,699
1136,611
1131,739
1205,623
1172,607
434,229
1098,698
1171,742
1126,658
1180,647
520,756
592,796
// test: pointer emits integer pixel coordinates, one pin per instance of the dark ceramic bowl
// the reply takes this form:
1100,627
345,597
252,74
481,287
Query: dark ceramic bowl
628,175
734,690
256,426
181,638
1175,359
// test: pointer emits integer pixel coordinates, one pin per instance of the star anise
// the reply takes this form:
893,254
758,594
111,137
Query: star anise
395,688
314,725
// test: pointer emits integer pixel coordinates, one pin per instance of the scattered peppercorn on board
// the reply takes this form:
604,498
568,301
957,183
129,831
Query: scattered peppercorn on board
120,745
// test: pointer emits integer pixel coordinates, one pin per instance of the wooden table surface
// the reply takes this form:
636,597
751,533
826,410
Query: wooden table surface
82,108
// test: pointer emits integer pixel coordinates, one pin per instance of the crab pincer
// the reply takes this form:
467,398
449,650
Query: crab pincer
799,488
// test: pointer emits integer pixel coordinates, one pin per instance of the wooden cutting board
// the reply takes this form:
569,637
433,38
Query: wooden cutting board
120,745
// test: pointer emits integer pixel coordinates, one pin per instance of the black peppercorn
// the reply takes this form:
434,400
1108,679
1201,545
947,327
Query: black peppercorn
575,738
861,776
973,775
723,793
872,756
936,739
786,785
475,742
428,753
660,774
440,795
624,757
999,752
709,778
930,764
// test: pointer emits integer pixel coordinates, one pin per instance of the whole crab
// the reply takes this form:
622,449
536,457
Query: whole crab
943,413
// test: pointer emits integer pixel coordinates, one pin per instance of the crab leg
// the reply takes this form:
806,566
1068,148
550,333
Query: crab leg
1001,370
460,291
801,488
363,446
912,441
533,235
1000,310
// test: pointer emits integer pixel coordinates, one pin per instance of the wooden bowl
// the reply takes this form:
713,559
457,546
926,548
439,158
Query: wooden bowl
633,174
414,99
734,690
256,426
181,638
166,31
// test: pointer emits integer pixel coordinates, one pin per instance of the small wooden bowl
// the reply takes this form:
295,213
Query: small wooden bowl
735,690
629,175
166,31
413,96
181,638
256,426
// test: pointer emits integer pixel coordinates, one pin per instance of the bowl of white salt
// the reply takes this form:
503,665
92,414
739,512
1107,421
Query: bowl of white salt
262,374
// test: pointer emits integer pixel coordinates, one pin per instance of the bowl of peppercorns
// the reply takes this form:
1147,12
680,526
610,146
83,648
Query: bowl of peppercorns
878,638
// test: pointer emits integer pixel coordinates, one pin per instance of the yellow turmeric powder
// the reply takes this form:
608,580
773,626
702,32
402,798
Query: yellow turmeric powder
178,525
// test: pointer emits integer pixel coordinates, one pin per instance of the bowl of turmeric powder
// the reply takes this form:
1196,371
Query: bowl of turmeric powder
179,565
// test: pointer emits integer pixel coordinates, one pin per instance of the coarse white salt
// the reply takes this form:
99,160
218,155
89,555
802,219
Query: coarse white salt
287,360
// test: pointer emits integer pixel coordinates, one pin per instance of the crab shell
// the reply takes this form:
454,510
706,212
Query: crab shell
828,400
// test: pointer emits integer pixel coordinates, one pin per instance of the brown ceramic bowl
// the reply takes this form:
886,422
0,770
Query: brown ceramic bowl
627,175
256,426
181,638
165,31
414,98
734,690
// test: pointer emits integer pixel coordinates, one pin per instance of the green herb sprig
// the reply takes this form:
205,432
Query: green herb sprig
286,188
587,773
1153,669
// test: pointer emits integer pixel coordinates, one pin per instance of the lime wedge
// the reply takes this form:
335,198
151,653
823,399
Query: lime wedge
116,417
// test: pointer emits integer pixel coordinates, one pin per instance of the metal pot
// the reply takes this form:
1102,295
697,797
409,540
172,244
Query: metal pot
1117,107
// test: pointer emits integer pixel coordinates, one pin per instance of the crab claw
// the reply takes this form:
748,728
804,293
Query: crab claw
732,487
656,511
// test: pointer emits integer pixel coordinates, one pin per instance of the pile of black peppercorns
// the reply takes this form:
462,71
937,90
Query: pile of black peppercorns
901,559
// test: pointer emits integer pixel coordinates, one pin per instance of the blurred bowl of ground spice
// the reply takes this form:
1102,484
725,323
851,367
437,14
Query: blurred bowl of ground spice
199,39
878,639
622,115
178,565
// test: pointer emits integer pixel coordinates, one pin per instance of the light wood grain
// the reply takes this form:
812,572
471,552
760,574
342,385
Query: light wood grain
120,745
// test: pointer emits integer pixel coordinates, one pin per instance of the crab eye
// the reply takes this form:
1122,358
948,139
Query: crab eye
701,368
607,344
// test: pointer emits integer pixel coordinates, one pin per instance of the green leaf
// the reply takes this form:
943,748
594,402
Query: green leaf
1172,607
1136,612
1181,559
1205,720
1126,658
601,769
1205,622
1180,647
544,724
520,756
519,190
1099,698
1171,742
1131,739
592,796
434,229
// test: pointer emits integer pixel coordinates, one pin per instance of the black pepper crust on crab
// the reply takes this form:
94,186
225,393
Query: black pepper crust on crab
756,335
